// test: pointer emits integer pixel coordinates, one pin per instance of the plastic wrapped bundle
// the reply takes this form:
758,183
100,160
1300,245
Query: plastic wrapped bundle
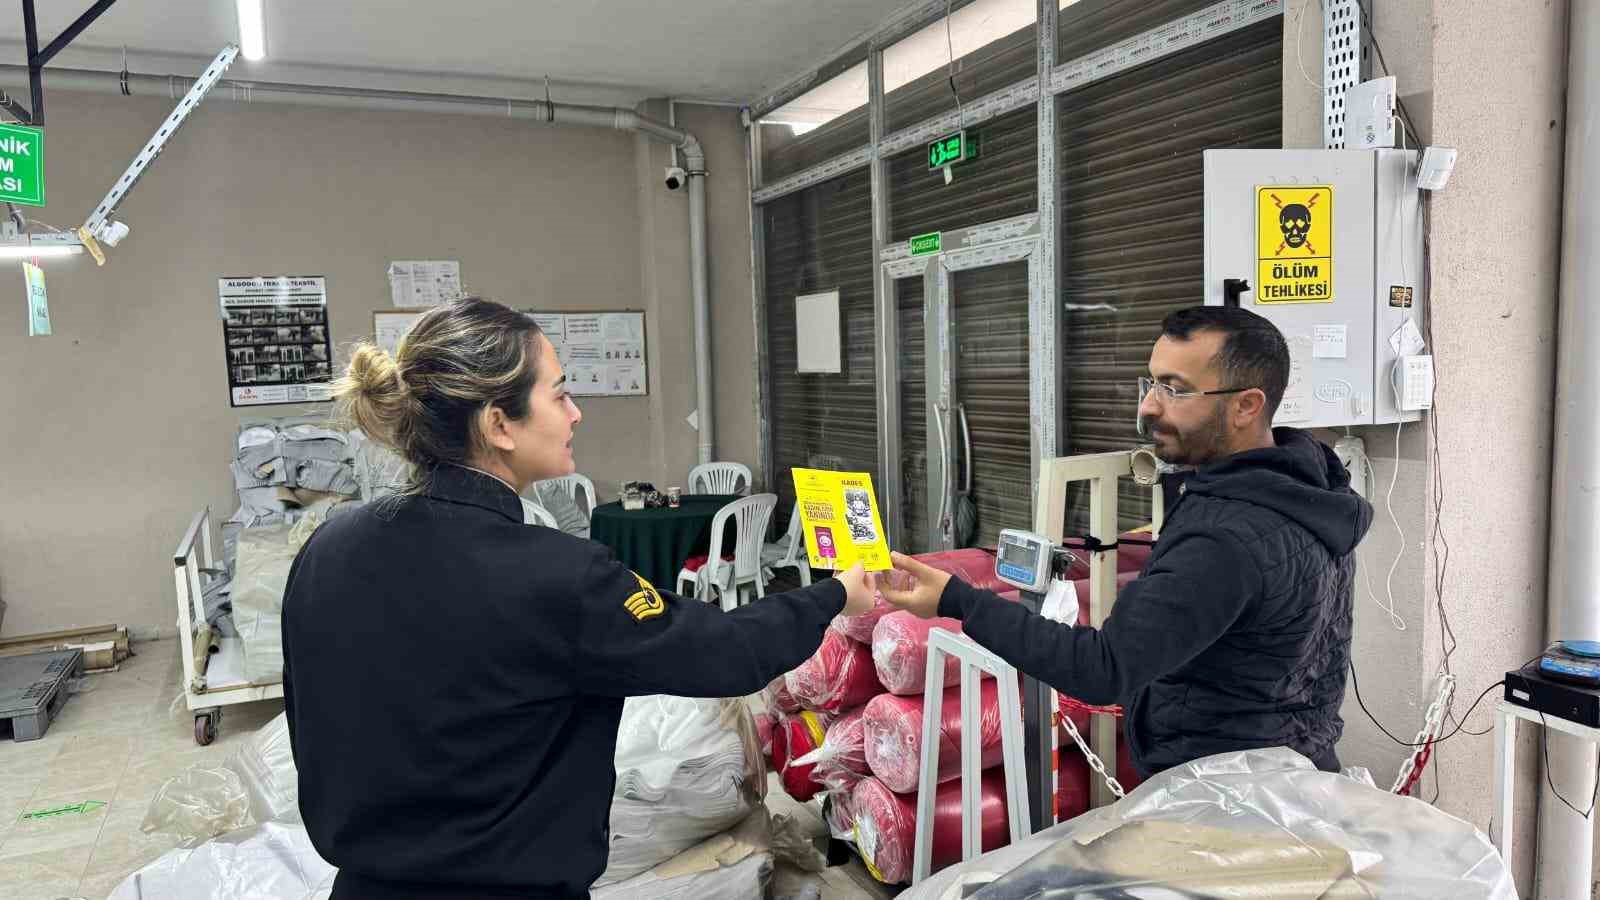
893,726
859,628
801,735
841,754
886,824
838,676
900,652
838,807
265,766
802,725
1257,823
778,699
686,770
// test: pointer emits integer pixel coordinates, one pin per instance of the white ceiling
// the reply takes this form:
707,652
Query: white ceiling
594,51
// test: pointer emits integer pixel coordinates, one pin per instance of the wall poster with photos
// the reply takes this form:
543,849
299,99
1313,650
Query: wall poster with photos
603,353
276,331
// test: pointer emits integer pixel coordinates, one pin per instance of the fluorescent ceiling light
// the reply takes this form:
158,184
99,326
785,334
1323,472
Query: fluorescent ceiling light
252,29
29,251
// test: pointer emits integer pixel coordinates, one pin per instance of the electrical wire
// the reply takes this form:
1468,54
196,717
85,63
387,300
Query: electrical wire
950,47
1388,502
1544,742
1356,683
1299,46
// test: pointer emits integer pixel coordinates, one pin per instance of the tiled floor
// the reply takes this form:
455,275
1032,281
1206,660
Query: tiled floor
115,744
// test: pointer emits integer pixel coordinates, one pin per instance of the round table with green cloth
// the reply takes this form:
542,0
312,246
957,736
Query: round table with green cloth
655,542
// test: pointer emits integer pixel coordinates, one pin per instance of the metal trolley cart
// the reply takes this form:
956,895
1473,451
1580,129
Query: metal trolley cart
214,680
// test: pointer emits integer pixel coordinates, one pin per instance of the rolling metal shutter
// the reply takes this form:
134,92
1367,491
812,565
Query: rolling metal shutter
820,239
990,312
1131,214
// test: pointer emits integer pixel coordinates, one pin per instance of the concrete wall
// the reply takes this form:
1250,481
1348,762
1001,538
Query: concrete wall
117,428
664,267
1487,79
1498,96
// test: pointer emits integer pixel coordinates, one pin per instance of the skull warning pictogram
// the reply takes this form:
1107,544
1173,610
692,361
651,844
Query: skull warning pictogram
1294,241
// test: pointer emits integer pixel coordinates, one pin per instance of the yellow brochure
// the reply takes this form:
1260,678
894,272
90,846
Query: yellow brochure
839,515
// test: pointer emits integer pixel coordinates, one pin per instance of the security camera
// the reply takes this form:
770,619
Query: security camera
676,177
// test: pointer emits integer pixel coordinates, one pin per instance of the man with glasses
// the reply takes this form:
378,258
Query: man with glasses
1237,633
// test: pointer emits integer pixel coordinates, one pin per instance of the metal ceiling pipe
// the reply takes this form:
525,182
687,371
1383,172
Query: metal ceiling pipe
694,158
1566,839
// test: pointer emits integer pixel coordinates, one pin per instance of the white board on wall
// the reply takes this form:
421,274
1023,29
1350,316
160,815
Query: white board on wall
817,339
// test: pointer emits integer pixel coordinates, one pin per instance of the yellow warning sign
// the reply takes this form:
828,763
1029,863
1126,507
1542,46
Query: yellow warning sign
1294,244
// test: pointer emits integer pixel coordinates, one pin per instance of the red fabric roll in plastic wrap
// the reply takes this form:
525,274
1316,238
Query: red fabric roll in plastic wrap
894,736
859,628
782,729
886,824
778,698
900,652
802,734
840,675
838,809
842,750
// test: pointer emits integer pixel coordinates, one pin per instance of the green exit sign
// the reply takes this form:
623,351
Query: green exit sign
952,149
22,165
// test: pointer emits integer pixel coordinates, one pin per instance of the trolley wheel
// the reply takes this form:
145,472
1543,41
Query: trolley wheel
205,729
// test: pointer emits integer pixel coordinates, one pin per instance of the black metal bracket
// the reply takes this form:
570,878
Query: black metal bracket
38,58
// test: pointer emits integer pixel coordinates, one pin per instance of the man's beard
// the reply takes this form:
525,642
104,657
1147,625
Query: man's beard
1195,447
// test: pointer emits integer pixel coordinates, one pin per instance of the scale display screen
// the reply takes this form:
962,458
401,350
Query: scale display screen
1020,555
1023,560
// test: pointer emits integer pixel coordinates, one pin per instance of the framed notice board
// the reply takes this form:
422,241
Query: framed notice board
603,353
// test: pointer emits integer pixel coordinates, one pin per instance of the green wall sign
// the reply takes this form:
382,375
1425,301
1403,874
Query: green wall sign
951,149
924,244
22,165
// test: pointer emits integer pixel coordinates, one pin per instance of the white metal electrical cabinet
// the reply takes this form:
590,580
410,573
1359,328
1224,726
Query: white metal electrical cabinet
1330,243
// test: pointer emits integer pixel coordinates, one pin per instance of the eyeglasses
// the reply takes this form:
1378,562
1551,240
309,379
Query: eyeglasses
1166,392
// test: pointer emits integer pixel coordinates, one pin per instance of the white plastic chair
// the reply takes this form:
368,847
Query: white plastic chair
534,514
789,552
571,484
719,478
729,579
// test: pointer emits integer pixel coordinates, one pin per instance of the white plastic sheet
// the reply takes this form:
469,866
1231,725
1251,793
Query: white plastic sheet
198,804
265,766
273,861
1261,823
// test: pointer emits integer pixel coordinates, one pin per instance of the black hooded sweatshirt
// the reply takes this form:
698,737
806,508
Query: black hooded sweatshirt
1236,634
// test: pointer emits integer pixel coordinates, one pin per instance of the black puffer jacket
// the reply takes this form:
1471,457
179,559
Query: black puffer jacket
1236,635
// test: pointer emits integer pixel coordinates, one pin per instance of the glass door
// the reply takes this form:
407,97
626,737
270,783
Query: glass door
966,401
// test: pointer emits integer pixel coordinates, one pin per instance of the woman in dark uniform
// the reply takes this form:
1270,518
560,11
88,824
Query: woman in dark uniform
454,678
